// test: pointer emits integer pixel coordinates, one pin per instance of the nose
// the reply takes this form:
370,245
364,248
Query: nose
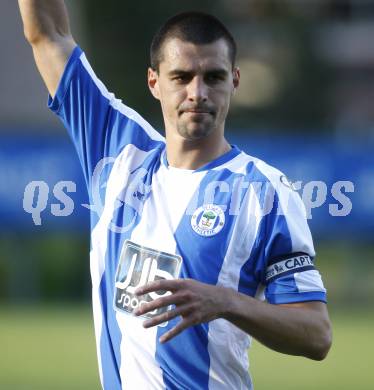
197,90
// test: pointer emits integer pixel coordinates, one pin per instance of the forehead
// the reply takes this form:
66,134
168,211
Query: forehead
178,54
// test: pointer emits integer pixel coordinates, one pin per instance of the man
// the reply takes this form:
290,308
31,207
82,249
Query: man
192,230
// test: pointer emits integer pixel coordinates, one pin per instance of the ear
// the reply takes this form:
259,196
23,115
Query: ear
153,83
235,79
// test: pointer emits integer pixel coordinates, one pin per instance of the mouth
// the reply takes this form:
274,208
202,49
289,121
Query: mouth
197,111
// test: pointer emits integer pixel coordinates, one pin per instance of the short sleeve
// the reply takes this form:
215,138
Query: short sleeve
289,273
99,125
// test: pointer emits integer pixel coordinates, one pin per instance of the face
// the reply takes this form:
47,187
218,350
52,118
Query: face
194,85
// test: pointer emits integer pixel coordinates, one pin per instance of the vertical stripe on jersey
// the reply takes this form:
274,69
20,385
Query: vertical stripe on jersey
108,334
273,239
227,343
140,369
251,271
293,210
185,359
137,366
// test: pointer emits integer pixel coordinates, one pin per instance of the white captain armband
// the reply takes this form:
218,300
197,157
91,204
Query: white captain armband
291,264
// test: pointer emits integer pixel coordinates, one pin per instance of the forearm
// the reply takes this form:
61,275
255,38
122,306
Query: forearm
44,19
292,329
46,27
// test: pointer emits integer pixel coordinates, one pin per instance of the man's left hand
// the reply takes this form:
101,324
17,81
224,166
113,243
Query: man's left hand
194,301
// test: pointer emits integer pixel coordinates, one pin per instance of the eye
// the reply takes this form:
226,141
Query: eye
214,78
181,79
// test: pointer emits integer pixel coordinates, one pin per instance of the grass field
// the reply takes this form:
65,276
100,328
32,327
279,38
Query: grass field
53,348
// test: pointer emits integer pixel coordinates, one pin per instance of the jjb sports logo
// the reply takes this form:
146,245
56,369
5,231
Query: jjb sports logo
137,266
208,220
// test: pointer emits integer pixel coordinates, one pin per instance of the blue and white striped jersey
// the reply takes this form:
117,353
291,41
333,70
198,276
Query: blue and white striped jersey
234,222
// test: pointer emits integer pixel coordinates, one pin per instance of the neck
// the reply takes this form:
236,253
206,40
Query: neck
193,154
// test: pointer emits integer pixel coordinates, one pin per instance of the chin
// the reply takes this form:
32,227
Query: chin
195,132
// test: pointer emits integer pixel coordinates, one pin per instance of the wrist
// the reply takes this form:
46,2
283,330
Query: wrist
228,303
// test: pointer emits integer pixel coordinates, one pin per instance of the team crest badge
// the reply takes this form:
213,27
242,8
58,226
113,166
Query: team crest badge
208,220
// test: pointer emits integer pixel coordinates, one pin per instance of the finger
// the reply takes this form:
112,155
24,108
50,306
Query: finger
162,284
181,326
167,316
158,303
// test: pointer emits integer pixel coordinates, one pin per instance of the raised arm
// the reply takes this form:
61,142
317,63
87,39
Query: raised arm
46,27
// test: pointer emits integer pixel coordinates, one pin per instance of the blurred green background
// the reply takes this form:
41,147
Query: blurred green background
307,68
52,347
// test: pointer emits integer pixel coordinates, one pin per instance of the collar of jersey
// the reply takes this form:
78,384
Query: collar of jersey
233,152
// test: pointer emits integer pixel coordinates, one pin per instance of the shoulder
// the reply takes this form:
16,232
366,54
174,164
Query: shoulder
257,169
269,183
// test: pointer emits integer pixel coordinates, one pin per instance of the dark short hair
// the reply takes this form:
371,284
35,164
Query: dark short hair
195,27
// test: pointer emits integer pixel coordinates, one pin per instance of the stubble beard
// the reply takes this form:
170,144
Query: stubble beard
194,131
